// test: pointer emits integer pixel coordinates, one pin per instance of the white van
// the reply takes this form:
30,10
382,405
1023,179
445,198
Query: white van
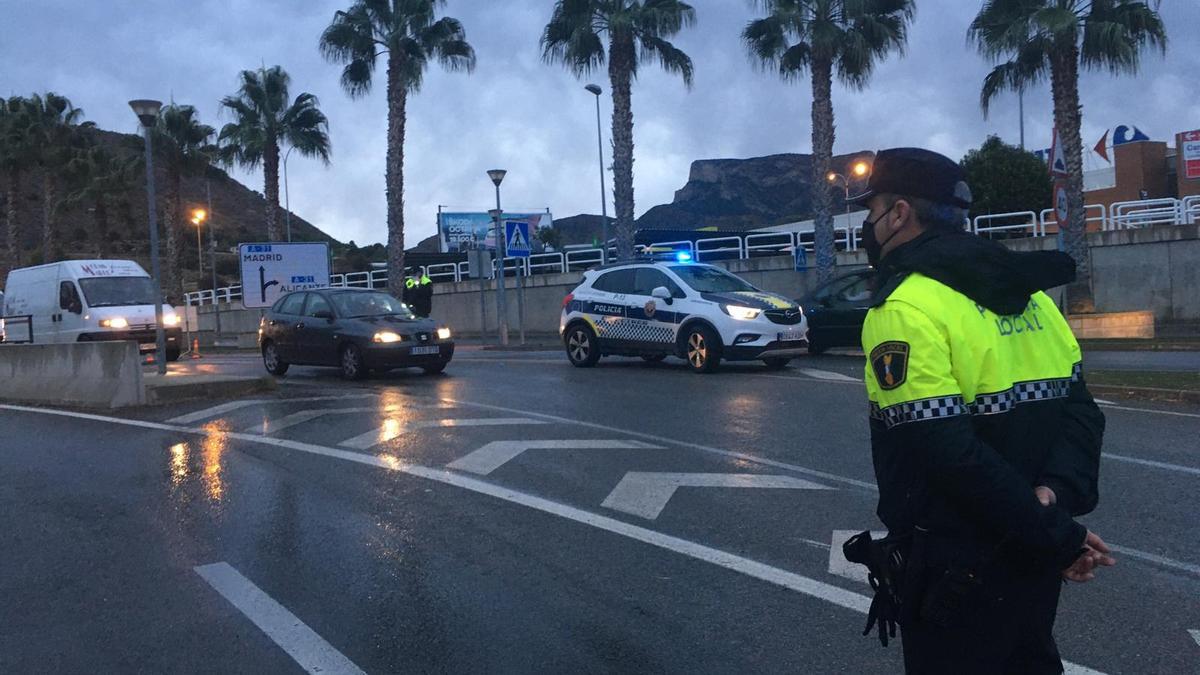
82,300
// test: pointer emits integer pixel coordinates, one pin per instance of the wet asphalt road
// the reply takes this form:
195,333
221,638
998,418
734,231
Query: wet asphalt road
334,501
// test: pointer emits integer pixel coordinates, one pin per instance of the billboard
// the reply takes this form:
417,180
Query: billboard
1189,150
463,231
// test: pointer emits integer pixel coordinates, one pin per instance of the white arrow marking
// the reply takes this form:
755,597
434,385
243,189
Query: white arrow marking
646,494
1195,635
827,375
837,561
270,426
497,453
394,428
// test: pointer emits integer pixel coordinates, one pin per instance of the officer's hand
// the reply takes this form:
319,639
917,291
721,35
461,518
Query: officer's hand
1045,495
1096,554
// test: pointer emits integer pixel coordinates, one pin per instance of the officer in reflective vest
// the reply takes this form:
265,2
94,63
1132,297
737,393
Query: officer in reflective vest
985,440
422,303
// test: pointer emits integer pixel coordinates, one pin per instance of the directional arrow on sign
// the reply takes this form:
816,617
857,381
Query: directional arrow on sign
646,494
1195,635
497,453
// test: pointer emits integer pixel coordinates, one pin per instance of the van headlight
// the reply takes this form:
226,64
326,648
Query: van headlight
171,319
743,313
115,322
386,337
443,333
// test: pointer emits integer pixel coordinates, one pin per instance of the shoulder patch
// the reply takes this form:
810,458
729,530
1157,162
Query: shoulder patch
890,361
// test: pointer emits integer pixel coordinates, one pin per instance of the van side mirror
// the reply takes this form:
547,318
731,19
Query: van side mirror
76,306
663,294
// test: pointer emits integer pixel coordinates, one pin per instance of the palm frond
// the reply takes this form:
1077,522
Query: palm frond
671,58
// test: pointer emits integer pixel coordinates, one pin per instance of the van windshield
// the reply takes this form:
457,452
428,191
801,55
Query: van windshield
117,291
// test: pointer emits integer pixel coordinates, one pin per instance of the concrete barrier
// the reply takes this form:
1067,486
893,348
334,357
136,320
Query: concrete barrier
89,374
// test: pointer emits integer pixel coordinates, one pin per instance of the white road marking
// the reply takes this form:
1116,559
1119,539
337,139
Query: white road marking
497,453
270,426
751,568
1195,635
394,429
1103,402
236,405
1149,462
646,494
684,444
1151,410
827,375
838,564
308,649
1156,559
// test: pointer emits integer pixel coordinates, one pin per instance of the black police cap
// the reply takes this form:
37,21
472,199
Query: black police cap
914,172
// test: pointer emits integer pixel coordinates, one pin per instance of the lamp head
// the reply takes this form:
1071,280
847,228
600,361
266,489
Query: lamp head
146,110
497,175
594,88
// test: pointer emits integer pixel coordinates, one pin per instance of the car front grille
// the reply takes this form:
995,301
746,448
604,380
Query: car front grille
423,337
786,317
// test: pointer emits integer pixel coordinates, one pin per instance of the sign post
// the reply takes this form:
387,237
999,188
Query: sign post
271,270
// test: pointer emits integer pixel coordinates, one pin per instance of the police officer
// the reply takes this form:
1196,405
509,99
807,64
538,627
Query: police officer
985,440
422,303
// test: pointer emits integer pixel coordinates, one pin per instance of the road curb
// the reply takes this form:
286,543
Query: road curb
1146,393
185,388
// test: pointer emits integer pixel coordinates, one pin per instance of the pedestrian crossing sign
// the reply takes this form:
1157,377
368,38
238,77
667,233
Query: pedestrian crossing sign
516,239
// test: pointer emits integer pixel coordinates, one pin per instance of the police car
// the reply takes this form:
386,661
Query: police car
701,313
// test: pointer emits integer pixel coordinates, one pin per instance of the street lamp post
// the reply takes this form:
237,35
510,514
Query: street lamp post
497,176
198,217
287,202
147,113
596,90
212,256
859,170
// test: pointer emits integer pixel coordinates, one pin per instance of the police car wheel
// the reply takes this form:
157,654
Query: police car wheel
352,363
702,349
582,350
653,358
777,363
271,360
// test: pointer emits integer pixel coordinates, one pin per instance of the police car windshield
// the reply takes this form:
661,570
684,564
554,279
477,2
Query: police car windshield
705,279
117,291
358,305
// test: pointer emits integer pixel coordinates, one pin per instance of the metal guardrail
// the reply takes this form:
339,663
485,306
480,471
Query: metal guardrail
6,328
1120,215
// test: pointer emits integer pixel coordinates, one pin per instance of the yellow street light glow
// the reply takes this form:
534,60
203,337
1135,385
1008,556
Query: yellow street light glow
860,168
831,176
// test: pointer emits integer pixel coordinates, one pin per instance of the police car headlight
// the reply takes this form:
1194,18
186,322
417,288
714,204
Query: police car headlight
443,333
386,337
115,322
743,313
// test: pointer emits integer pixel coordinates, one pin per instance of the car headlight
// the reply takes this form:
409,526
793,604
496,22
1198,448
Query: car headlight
387,337
115,322
443,333
743,313
171,319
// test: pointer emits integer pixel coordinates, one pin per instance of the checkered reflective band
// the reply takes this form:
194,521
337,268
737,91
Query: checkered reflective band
984,404
633,330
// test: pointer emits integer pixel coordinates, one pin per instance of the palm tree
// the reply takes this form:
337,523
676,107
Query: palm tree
821,36
96,176
411,36
636,30
15,156
264,122
188,150
1055,38
53,126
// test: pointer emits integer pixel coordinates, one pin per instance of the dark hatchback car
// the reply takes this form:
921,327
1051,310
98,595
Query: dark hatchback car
837,309
356,330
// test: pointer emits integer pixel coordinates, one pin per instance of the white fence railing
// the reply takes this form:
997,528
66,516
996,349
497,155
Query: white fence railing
1118,216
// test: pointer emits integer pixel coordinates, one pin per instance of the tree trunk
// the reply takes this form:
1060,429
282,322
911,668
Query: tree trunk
101,215
822,162
620,73
12,189
1064,83
271,189
397,97
172,217
49,194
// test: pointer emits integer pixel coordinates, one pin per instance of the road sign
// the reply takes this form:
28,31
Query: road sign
800,258
270,270
1190,142
516,239
1058,158
1061,213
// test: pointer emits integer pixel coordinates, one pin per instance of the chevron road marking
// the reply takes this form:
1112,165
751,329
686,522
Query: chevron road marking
497,453
646,494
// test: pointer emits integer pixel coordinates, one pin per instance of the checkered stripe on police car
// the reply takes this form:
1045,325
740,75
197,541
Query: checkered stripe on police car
634,331
917,411
1023,392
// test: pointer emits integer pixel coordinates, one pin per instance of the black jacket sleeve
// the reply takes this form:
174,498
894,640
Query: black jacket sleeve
1072,466
974,477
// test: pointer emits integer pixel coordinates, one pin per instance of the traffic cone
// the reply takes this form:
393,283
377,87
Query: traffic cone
195,348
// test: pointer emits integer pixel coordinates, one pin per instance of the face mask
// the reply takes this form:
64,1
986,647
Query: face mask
874,248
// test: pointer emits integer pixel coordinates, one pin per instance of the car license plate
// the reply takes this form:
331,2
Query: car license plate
791,335
417,351
147,347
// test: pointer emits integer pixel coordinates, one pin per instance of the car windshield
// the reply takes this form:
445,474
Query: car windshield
356,305
117,291
705,279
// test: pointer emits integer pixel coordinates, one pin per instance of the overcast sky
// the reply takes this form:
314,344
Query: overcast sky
535,120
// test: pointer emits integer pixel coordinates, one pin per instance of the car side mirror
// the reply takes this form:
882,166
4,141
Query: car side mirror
663,294
323,314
